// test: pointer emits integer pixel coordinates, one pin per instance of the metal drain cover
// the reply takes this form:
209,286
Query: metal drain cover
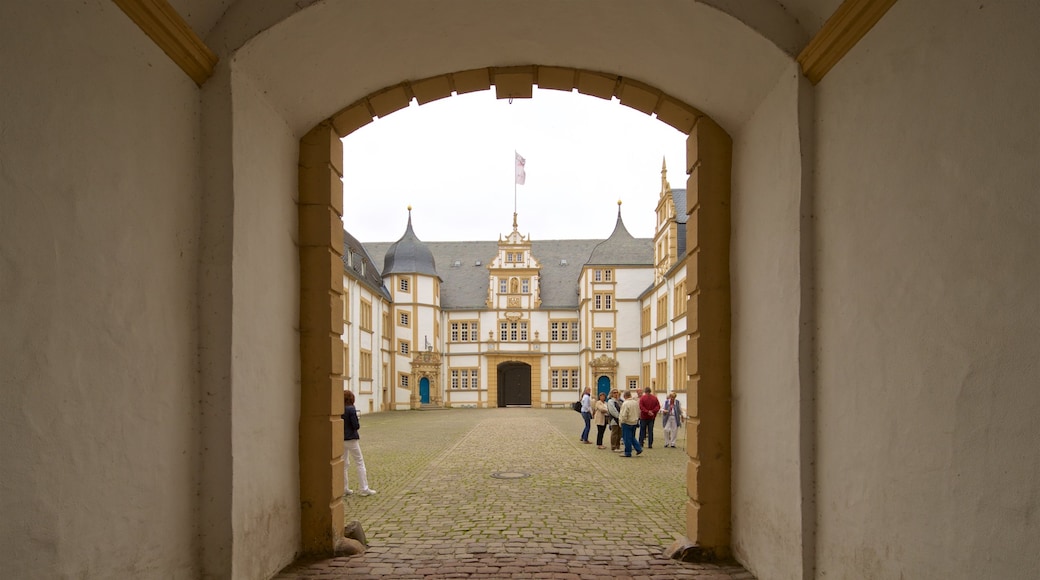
510,475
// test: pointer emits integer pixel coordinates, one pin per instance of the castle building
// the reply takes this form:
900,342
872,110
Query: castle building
516,322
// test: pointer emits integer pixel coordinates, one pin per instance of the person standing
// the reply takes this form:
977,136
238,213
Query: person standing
614,408
649,406
586,414
352,447
600,414
629,418
671,419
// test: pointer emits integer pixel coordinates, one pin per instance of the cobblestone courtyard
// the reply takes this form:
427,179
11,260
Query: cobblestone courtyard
558,508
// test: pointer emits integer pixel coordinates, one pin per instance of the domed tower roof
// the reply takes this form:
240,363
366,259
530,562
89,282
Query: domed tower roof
621,248
409,255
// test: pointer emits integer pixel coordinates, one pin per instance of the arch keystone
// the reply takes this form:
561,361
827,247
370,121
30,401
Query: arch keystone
514,82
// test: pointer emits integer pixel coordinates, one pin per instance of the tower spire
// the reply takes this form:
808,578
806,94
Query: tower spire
664,177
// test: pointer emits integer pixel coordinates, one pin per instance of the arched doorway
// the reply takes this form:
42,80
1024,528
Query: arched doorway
709,166
514,384
603,385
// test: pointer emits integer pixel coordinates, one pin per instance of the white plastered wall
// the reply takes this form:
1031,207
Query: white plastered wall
929,231
265,339
769,277
99,222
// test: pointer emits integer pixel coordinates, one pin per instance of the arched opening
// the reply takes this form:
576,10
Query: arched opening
514,384
707,261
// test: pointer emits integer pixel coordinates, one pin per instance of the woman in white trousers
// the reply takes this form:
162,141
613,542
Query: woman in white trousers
352,447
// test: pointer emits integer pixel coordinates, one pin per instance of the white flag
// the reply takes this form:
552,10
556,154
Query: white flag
521,175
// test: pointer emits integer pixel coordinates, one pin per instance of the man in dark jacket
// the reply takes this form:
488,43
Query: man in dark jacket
649,406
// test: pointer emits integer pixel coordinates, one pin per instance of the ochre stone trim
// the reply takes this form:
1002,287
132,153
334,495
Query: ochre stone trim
709,507
321,344
849,23
171,33
709,163
516,82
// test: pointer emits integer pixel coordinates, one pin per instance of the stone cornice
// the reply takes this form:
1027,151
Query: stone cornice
172,34
849,23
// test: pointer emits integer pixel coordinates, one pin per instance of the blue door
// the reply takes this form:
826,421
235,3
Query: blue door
424,390
603,386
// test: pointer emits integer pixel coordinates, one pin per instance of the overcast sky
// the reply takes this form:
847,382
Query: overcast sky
452,161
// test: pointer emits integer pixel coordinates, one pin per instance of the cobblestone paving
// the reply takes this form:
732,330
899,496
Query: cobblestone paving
579,512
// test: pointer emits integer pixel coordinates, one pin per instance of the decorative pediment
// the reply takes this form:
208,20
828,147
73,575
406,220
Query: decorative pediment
604,362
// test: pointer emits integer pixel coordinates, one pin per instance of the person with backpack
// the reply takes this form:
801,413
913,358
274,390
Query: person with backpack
629,421
614,410
586,414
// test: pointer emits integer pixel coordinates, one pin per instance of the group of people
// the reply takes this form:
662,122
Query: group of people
624,414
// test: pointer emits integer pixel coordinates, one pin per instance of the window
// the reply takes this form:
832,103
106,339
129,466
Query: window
402,318
679,374
608,275
404,380
564,379
632,382
680,298
644,322
603,301
366,315
386,324
405,283
503,285
512,331
646,374
597,275
662,310
365,365
525,285
404,346
563,331
464,331
465,379
603,339
662,375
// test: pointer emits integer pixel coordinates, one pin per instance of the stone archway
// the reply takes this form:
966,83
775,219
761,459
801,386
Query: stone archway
709,162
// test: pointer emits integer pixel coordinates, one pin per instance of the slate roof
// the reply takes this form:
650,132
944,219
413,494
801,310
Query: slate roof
679,199
464,265
352,265
621,249
409,255
465,286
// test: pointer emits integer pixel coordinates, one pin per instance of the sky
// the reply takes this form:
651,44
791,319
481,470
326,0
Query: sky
452,160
